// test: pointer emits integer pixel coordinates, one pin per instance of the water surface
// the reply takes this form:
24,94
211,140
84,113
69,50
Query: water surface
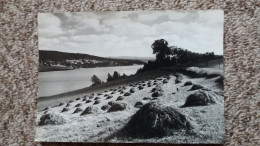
56,82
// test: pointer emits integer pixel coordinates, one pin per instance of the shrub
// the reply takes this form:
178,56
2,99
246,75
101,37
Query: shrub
95,80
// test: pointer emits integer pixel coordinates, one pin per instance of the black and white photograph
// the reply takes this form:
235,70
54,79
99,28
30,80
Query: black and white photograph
131,77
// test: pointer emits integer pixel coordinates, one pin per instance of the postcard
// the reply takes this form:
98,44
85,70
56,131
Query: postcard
131,77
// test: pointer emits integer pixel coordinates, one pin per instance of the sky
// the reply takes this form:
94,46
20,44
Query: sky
131,33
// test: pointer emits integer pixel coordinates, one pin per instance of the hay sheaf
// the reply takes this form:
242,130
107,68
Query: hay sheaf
52,118
155,120
202,98
117,106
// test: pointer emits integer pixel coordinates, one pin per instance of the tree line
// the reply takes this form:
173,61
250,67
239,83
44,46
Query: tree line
173,56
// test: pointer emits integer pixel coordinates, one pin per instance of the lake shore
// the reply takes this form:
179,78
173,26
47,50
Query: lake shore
52,100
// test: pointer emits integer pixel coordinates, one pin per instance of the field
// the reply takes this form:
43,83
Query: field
161,106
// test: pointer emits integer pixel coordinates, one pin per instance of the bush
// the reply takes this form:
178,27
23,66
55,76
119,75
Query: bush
155,120
95,80
116,75
52,118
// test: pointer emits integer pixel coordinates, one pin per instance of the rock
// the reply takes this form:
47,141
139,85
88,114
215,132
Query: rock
78,105
127,94
105,107
120,98
77,110
105,95
99,94
117,107
154,120
84,99
61,104
52,118
188,83
68,104
138,104
65,109
97,102
71,101
78,98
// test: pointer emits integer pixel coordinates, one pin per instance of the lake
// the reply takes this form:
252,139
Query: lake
56,82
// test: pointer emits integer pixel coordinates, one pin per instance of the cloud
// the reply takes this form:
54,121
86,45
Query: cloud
49,25
131,33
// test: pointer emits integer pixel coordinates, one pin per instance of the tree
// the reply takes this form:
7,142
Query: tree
95,80
161,49
116,75
109,77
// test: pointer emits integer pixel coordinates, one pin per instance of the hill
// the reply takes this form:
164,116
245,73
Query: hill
49,59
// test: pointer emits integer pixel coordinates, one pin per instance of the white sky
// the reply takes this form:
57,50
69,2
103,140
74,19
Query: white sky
131,33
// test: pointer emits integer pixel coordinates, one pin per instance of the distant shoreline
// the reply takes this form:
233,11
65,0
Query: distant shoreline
56,68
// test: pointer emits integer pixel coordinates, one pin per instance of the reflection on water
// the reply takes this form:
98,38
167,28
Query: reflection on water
56,82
